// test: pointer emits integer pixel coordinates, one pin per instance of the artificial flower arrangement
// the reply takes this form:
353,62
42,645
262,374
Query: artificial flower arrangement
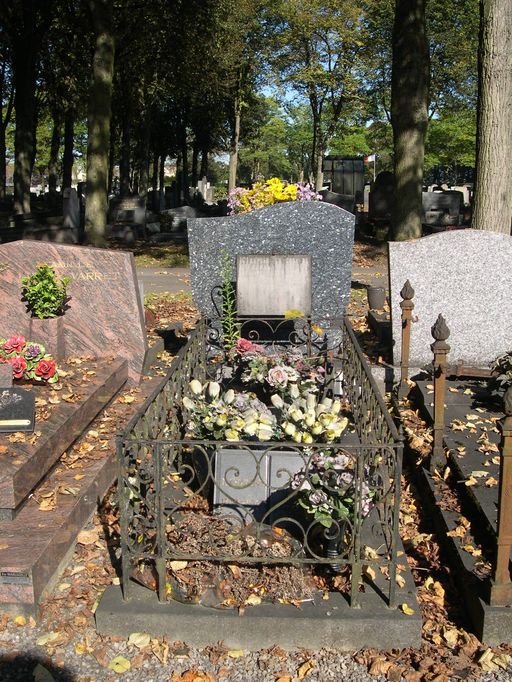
288,373
267,193
326,488
235,416
28,359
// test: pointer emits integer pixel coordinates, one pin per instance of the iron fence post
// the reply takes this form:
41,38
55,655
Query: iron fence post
440,348
501,587
407,307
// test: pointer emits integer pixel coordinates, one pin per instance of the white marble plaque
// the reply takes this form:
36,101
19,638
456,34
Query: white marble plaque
270,285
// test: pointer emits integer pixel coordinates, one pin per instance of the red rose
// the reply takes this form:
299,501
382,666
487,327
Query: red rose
19,365
45,368
14,344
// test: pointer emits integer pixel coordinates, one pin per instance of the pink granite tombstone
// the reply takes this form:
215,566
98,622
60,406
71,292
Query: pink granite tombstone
105,314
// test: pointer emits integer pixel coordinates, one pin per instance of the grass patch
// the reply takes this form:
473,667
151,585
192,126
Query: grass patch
172,256
153,300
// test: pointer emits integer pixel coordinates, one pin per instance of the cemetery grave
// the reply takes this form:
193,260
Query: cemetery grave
228,492
51,483
459,397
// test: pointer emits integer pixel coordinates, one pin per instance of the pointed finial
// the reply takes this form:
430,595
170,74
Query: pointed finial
407,292
440,330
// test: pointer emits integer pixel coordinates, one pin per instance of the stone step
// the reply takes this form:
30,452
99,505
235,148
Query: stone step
23,465
35,546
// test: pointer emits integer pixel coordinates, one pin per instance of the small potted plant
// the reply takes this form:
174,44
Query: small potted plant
46,298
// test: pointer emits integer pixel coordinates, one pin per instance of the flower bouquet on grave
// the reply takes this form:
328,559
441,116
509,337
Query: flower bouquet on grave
326,492
268,192
28,359
266,371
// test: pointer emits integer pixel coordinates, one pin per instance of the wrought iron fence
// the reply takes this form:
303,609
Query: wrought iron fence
200,502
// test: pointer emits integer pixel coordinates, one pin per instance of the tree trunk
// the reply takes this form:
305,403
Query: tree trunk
409,115
100,100
53,164
204,163
124,162
4,122
233,151
111,158
145,135
68,158
154,184
195,162
493,195
161,180
24,67
184,196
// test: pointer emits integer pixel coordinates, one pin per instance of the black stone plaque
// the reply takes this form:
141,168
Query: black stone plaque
17,410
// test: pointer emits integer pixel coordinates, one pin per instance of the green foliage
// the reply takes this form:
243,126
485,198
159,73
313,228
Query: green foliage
451,140
230,324
44,294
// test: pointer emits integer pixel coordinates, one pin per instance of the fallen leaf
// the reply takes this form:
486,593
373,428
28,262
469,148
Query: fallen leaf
178,565
47,639
405,608
139,639
87,537
490,482
380,666
236,653
305,668
20,621
119,664
253,600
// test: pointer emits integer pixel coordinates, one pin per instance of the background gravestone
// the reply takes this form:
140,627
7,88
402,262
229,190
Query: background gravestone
322,231
467,276
105,316
71,211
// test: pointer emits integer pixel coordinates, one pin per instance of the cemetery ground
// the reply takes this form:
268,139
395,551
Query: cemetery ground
63,643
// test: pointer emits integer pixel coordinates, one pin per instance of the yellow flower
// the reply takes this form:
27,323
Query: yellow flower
231,435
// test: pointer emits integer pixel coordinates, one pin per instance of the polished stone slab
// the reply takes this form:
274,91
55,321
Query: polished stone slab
104,315
466,275
23,465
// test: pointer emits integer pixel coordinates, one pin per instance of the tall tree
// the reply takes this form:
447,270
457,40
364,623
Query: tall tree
315,49
25,23
409,114
493,197
99,122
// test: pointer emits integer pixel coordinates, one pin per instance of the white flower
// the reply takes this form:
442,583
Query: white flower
213,389
277,401
188,403
294,391
229,396
196,387
231,435
288,428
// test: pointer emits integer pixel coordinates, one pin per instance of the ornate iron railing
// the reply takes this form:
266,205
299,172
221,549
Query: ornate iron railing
190,500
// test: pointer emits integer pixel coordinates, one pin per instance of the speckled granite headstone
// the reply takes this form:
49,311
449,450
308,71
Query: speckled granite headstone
323,231
105,315
467,276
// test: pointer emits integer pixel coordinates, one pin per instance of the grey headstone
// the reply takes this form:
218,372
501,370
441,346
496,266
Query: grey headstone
71,210
323,231
467,276
438,204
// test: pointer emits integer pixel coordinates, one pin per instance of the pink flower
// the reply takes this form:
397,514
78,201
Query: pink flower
244,346
45,368
278,376
14,344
